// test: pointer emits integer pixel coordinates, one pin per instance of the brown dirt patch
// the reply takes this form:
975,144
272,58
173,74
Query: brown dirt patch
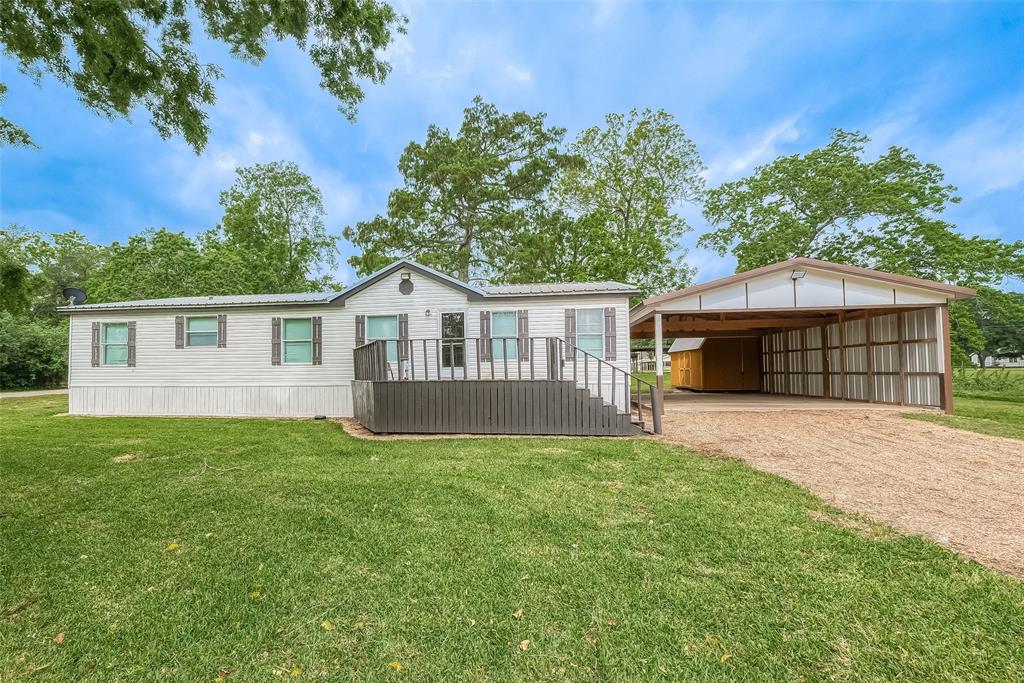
961,489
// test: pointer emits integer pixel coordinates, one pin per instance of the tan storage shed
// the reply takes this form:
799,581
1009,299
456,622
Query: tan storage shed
716,364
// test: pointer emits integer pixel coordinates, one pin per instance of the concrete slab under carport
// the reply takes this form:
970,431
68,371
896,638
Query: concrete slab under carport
683,401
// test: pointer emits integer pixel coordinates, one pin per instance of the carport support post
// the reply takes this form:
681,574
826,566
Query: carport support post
659,366
947,362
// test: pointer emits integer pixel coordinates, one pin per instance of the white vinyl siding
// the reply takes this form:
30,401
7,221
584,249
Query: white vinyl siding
297,340
590,331
201,330
384,327
115,344
503,327
240,379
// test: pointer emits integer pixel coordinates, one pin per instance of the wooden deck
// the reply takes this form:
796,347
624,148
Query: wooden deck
560,390
486,407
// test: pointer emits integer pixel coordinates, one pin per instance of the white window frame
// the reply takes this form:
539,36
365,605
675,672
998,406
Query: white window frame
285,341
104,344
514,346
386,340
600,335
215,332
465,337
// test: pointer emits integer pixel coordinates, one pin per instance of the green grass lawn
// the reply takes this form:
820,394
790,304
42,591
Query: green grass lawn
269,550
998,418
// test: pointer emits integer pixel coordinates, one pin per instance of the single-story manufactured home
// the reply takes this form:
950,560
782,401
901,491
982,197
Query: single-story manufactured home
410,349
822,330
407,349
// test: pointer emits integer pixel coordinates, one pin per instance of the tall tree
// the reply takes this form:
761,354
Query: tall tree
991,326
467,196
18,285
120,55
272,237
887,214
632,176
151,265
832,204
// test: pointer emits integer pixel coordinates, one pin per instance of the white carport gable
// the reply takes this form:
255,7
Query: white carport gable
827,329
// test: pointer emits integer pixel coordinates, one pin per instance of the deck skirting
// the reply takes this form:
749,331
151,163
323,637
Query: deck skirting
486,407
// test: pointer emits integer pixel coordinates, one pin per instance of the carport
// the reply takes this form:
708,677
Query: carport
826,330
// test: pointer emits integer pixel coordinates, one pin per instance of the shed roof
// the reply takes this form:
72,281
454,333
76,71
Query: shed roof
686,344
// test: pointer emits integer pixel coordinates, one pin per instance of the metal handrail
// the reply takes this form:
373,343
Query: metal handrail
628,381
437,358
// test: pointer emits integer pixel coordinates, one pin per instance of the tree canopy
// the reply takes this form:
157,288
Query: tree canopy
630,178
832,204
272,237
121,55
466,195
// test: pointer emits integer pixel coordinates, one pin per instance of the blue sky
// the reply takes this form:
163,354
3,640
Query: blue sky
748,82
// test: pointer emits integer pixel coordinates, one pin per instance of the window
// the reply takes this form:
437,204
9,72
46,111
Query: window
297,338
115,343
453,340
201,331
503,326
384,327
590,331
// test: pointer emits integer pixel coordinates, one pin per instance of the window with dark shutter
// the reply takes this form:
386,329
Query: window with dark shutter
570,326
360,330
131,344
318,342
95,345
485,336
222,331
275,341
523,320
403,336
609,333
179,331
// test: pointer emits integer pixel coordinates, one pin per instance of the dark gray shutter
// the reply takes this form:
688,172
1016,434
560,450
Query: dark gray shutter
318,340
179,331
570,326
275,341
360,330
131,343
222,331
95,345
485,336
403,336
609,333
523,328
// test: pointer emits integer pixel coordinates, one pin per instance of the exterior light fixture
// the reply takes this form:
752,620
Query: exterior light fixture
797,274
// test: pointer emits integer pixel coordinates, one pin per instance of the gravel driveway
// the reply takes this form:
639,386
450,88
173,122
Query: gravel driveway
961,489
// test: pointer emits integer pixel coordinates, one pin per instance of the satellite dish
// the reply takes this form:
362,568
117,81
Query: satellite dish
74,295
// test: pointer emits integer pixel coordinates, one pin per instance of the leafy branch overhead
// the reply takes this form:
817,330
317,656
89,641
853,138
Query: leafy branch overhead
122,55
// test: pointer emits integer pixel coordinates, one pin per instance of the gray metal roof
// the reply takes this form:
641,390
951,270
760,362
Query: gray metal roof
542,288
211,301
537,289
686,344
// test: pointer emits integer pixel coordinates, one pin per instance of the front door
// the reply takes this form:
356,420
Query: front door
453,344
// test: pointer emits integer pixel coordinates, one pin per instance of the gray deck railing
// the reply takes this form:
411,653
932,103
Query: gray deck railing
526,358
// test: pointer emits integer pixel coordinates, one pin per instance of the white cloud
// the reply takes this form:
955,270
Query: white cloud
518,73
741,156
986,155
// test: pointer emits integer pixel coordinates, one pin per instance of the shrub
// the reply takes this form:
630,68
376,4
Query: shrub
33,353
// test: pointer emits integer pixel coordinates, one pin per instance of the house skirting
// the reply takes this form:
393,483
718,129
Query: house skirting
221,401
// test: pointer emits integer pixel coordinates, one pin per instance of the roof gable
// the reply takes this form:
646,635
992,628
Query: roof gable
798,263
470,291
